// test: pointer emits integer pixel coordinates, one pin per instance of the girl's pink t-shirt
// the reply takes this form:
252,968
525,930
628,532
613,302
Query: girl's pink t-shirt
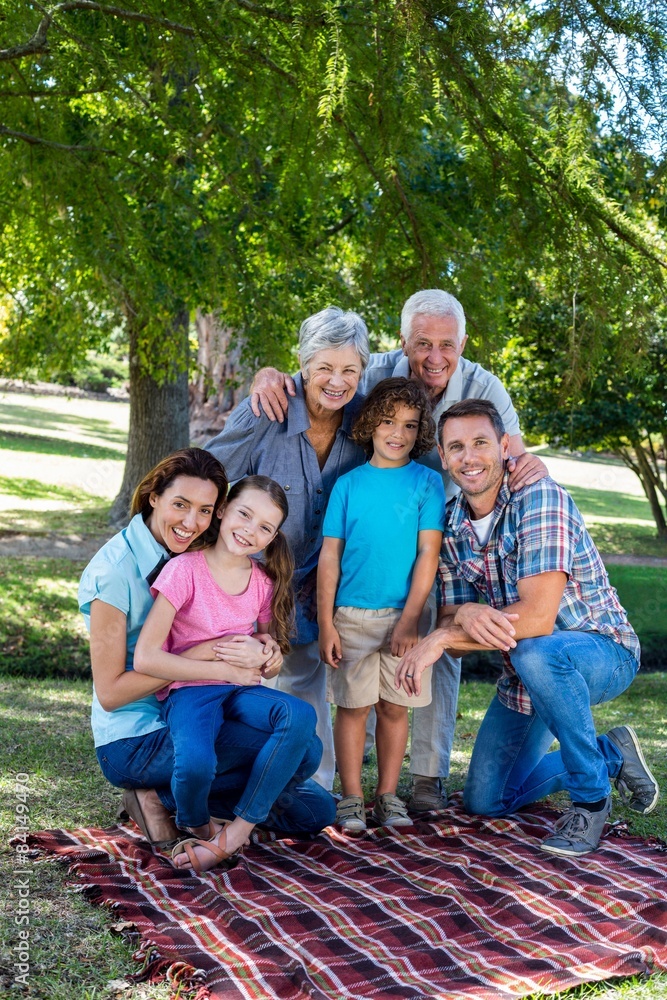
203,610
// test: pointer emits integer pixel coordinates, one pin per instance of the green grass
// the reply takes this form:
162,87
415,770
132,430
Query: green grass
46,734
45,417
43,508
43,445
643,593
41,631
619,524
622,538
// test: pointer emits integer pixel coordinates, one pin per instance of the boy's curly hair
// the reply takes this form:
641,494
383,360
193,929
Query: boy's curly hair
382,402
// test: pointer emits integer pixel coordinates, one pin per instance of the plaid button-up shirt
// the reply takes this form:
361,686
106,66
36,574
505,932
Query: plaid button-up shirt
536,530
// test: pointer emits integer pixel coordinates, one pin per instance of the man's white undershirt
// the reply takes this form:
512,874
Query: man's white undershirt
482,528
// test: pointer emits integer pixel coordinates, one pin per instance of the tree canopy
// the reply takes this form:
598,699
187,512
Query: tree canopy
264,160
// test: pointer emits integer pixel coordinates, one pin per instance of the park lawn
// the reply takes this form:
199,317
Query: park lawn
63,425
31,507
46,735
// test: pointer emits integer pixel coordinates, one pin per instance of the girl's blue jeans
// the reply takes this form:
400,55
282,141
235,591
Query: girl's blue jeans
564,673
195,715
254,766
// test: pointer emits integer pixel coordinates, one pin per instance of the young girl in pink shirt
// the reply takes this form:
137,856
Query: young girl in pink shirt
204,595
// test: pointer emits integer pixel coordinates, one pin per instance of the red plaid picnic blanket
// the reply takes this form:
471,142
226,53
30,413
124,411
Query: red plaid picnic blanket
454,909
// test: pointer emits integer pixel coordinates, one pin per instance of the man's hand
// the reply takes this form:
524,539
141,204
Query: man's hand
525,470
486,625
409,671
404,637
271,388
331,650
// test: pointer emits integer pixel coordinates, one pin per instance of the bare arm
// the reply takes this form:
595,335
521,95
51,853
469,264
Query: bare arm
328,577
239,650
405,634
271,388
114,685
150,658
534,614
524,467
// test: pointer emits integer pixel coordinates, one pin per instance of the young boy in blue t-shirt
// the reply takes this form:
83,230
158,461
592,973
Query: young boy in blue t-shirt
382,535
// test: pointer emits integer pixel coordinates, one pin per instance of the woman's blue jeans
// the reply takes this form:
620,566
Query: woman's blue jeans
298,805
564,673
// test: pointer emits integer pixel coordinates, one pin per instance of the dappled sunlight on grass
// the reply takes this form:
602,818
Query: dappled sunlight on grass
617,537
595,504
58,446
65,418
44,507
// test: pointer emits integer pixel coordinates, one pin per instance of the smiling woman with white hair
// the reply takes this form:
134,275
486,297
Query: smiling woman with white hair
306,453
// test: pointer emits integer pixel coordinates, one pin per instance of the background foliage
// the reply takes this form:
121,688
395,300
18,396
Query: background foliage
262,160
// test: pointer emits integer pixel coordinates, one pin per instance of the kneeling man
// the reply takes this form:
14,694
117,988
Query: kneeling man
566,640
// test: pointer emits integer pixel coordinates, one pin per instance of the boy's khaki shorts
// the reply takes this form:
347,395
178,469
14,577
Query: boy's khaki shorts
366,672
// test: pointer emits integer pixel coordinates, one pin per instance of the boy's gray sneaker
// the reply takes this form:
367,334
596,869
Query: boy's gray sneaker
577,832
350,814
389,810
428,794
636,785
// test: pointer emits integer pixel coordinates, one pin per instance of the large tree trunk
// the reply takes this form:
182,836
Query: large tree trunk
159,421
648,480
635,459
221,383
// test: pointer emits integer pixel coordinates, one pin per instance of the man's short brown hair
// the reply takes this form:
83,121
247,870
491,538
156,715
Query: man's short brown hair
473,408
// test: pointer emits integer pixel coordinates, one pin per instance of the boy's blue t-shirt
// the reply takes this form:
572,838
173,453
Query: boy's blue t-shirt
379,513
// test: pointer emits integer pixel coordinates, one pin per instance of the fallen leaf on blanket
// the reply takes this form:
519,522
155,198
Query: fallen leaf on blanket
122,927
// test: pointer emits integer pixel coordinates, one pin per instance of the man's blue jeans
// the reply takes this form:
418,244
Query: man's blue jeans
564,673
300,805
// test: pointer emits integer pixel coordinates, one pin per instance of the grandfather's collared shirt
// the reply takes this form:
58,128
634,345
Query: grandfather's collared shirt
535,530
250,445
469,381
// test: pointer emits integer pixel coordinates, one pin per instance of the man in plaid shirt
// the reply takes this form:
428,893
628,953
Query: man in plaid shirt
566,640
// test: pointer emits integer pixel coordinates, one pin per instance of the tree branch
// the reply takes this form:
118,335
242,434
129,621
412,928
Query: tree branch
35,140
274,15
38,44
427,267
332,230
127,15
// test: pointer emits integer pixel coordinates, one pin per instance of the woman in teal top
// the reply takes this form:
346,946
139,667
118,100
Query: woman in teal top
173,508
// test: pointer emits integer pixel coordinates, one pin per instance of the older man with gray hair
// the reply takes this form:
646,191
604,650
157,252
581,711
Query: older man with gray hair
433,337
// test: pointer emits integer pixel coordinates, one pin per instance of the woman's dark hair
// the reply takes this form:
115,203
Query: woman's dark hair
382,402
278,560
193,462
